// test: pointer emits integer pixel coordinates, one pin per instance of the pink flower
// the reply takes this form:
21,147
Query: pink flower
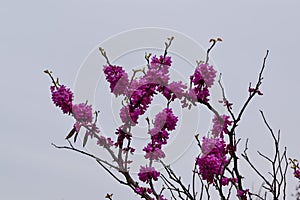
84,118
173,90
142,190
202,79
62,97
140,92
161,61
225,180
129,116
213,159
209,144
159,136
165,120
117,78
190,99
220,125
202,94
208,73
153,153
82,112
209,167
158,70
141,97
148,173
157,76
199,92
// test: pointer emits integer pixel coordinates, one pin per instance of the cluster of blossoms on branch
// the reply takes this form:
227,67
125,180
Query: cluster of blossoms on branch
63,97
217,163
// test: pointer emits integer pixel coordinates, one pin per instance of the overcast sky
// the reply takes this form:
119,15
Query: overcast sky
59,35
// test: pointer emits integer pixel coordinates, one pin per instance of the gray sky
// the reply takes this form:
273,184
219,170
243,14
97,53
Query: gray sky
58,35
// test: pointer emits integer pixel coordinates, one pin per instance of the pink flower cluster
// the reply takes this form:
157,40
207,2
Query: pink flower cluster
213,159
202,79
148,173
139,101
141,98
62,97
164,121
84,118
226,181
138,95
140,91
117,78
208,73
220,125
164,61
173,90
142,190
129,116
82,112
158,70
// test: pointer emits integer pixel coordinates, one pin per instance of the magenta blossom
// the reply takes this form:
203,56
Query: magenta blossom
117,78
165,120
220,125
141,97
158,70
213,159
199,92
225,180
157,76
208,74
173,90
166,61
202,94
202,79
129,116
148,173
142,190
153,153
82,112
62,97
